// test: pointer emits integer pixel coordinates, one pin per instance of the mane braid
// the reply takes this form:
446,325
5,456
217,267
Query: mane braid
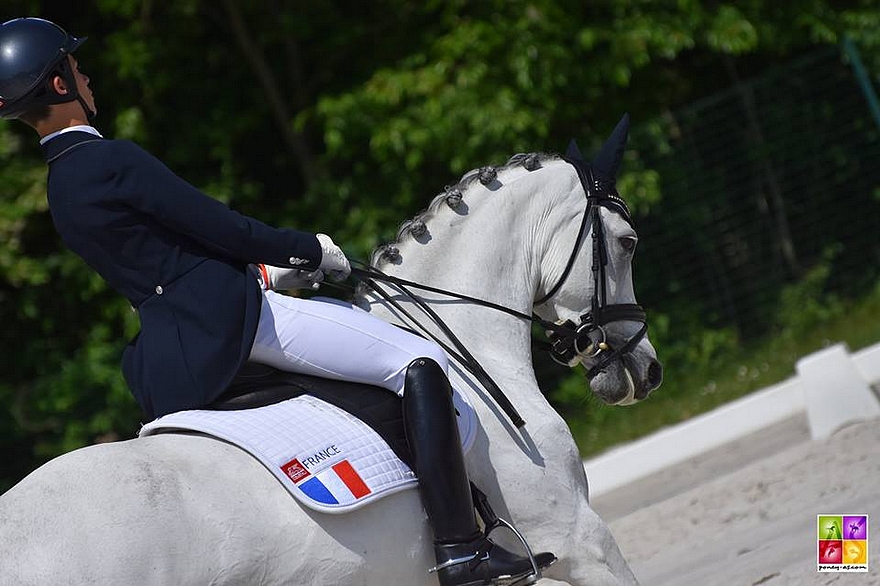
417,225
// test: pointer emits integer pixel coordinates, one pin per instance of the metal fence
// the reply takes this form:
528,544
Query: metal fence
759,184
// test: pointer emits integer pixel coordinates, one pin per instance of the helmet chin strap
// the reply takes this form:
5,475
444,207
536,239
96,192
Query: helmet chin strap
90,114
67,74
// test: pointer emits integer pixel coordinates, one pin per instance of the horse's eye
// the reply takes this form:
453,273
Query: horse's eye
628,243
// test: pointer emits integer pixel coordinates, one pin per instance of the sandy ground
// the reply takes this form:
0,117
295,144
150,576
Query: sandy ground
745,514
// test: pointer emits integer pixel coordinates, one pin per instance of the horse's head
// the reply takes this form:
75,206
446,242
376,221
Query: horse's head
586,280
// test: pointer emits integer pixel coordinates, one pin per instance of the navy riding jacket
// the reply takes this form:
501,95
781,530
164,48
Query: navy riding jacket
179,256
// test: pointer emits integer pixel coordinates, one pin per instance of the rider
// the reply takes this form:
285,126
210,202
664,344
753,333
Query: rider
186,262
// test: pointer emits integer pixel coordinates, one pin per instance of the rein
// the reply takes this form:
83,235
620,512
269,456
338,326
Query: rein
568,341
369,275
563,333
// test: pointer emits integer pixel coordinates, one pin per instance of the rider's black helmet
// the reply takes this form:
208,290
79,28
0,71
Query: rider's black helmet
32,52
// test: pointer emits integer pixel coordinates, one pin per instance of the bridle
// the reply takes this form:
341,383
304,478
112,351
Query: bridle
568,341
571,341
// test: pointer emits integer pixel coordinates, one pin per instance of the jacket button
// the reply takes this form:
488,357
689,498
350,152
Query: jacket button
158,289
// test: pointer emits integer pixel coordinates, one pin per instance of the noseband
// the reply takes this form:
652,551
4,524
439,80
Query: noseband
569,340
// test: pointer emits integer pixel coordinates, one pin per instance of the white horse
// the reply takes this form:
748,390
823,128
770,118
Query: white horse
186,509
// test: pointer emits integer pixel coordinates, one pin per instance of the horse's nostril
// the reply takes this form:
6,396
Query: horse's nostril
655,374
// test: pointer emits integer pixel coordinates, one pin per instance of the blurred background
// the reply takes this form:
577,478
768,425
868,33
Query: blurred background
753,170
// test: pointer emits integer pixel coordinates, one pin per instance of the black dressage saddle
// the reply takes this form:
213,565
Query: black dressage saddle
258,385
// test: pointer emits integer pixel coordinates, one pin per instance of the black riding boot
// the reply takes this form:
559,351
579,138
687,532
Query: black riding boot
465,557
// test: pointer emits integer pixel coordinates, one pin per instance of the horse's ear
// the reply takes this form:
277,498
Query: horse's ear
573,152
607,162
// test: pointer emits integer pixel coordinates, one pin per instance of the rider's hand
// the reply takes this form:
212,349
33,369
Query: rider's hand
333,261
286,279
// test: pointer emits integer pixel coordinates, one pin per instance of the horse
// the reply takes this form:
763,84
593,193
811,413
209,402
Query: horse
189,509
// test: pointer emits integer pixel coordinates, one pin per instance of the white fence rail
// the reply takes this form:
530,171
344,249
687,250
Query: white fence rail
832,386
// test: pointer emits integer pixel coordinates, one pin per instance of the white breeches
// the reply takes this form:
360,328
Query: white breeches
334,339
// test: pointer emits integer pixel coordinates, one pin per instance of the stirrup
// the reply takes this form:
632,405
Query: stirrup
491,522
482,554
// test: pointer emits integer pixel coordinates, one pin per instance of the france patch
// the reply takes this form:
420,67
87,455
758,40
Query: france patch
338,485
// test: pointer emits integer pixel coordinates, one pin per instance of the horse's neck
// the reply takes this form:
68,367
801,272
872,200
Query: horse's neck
489,251
490,248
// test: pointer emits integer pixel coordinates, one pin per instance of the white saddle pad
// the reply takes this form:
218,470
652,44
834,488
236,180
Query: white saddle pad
328,459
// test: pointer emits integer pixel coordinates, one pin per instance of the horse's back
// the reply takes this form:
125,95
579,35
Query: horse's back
183,509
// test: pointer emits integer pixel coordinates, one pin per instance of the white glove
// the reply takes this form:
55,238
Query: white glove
286,279
333,261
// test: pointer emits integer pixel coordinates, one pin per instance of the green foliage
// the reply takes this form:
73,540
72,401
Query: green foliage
348,118
810,302
731,32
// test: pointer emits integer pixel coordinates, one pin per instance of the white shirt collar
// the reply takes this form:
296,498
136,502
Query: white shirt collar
79,128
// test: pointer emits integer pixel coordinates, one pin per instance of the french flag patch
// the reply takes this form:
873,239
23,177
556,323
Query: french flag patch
338,485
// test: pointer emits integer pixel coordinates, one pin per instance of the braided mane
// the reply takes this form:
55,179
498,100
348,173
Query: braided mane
451,196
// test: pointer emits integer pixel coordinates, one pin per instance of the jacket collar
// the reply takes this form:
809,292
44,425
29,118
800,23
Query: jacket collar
55,147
